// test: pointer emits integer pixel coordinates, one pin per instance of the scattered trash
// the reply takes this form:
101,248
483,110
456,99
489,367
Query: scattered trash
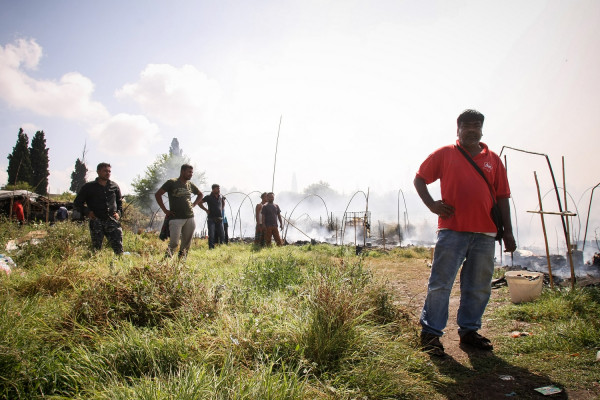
6,264
516,334
511,394
598,356
548,390
507,377
33,237
234,340
498,283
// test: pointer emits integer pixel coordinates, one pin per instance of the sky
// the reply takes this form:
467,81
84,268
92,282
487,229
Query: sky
364,90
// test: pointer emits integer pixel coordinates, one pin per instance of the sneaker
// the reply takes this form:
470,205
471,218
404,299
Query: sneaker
431,344
474,339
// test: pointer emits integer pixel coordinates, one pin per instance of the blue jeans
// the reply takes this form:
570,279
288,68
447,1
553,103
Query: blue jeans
475,252
214,228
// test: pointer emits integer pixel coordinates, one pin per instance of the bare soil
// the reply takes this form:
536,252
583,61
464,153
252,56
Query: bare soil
472,374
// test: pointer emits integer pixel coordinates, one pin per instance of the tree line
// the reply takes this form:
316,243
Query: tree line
28,166
28,169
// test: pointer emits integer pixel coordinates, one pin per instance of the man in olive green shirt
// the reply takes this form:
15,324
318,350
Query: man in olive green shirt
181,209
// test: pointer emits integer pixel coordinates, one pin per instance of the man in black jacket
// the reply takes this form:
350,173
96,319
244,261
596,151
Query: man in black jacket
103,199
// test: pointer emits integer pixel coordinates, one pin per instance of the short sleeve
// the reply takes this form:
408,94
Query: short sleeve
166,186
431,169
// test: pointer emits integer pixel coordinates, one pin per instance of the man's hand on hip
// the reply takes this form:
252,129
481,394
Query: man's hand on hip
442,209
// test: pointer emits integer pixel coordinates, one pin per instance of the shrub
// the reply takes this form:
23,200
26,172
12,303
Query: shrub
145,296
330,326
273,273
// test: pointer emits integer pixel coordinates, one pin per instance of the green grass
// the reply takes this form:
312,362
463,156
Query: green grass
239,323
233,323
565,331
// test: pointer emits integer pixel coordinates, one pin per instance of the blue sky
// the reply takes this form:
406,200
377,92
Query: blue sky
366,89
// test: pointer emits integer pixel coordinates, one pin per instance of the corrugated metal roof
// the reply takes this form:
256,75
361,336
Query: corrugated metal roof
7,194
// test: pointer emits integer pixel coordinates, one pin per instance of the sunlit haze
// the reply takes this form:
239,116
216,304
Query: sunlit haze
365,91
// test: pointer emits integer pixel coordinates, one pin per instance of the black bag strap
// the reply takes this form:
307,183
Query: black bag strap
468,157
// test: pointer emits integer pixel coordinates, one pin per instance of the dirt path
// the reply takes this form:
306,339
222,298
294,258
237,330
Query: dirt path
475,374
409,279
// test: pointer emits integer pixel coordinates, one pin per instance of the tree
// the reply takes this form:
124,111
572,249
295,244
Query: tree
19,163
165,166
38,153
79,173
78,176
321,188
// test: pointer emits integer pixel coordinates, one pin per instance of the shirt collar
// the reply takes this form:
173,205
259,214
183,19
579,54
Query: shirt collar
484,148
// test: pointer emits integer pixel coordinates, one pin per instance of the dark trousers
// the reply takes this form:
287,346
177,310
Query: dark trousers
109,228
215,231
259,235
225,239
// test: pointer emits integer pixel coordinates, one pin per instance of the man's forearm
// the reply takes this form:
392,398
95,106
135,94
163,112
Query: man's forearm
505,210
198,200
159,201
423,192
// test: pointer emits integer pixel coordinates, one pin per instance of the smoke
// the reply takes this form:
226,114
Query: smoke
320,216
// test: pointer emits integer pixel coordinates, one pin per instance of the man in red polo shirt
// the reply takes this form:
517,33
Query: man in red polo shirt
466,232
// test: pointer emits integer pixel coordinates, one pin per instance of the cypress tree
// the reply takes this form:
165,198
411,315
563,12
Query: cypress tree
19,163
78,176
39,163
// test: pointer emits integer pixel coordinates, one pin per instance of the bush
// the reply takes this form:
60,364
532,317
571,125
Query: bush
273,273
145,296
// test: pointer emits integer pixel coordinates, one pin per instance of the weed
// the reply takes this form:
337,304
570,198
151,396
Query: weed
330,326
271,274
144,296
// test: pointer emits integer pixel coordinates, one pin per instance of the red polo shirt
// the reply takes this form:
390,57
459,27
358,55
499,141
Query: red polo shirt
18,210
463,188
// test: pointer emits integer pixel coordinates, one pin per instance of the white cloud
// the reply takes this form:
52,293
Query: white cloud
30,129
70,97
125,134
60,180
174,95
3,176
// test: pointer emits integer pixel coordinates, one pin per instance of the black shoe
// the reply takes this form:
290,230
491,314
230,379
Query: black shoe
431,344
474,339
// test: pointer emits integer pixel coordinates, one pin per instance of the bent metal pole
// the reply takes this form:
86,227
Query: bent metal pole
275,161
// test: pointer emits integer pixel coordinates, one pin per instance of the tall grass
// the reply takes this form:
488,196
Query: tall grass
230,323
562,320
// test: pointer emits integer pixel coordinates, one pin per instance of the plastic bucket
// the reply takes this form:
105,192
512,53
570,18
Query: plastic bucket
524,285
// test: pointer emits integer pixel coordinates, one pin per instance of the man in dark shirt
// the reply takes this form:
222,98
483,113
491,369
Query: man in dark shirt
214,222
271,213
103,199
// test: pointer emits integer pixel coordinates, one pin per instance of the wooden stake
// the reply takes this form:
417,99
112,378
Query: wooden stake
544,230
365,220
567,234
